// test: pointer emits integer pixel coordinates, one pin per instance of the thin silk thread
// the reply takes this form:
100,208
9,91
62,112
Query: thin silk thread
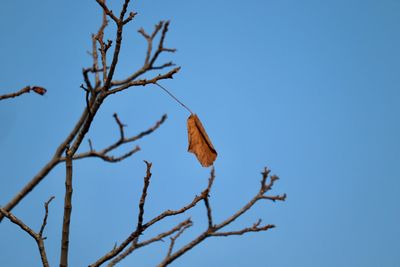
174,97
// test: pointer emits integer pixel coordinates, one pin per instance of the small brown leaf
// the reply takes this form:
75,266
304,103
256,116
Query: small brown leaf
39,90
199,142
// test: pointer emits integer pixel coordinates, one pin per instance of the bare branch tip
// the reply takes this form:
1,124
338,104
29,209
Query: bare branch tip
265,172
48,201
148,164
274,178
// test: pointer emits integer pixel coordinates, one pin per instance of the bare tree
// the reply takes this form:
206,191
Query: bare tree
99,84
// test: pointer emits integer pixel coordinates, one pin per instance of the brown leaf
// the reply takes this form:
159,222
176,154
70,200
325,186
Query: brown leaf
39,90
199,142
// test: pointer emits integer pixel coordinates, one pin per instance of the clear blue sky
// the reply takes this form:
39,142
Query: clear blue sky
310,89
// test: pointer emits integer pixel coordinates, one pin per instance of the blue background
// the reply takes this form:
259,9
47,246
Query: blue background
308,88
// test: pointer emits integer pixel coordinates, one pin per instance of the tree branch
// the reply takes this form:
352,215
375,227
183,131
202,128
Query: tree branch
139,228
212,230
26,89
67,210
120,125
36,236
103,154
118,41
135,234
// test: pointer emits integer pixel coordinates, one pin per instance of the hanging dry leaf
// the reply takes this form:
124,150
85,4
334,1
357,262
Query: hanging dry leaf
199,142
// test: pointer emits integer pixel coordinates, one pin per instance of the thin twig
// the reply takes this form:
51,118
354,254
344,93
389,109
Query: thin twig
87,98
90,145
275,198
165,65
130,17
85,73
120,125
175,237
143,197
255,228
46,208
95,57
209,213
